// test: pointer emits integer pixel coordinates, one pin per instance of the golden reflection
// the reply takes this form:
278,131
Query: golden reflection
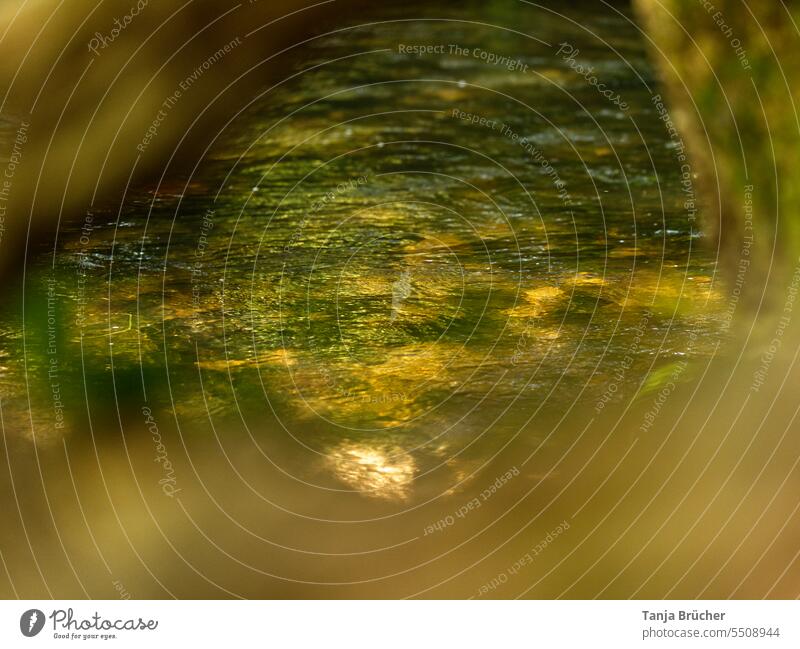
537,302
439,242
381,472
388,393
274,357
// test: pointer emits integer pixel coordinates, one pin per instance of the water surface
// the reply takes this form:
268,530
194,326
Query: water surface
389,278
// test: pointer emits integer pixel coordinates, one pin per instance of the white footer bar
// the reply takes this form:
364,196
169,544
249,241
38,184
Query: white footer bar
389,624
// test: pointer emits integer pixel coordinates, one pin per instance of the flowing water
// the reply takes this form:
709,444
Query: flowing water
390,280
